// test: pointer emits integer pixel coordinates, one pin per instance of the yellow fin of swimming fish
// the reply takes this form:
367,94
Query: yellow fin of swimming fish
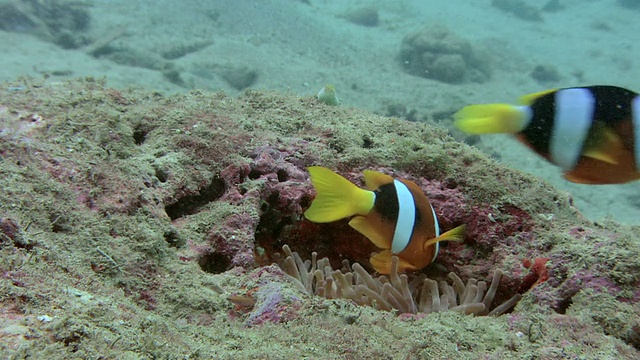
336,197
531,98
490,119
605,147
364,226
374,179
455,234
381,262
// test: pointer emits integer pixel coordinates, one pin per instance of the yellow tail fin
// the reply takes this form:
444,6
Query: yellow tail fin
336,197
455,234
492,118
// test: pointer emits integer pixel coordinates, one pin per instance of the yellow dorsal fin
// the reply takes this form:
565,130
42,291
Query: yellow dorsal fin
455,234
491,119
531,98
336,197
374,179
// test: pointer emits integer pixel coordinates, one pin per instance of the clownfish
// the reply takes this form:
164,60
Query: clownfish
395,215
592,133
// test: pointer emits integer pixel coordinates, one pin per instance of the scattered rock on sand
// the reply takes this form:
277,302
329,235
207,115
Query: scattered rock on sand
437,53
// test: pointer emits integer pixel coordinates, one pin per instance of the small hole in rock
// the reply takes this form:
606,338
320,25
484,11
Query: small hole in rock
253,174
451,184
191,204
172,237
214,263
564,305
305,202
59,223
367,143
282,175
139,136
161,175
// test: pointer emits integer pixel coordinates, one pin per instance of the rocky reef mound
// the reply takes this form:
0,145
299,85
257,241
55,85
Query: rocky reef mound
135,225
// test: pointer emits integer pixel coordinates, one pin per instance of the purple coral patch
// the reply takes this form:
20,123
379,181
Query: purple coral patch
277,201
273,305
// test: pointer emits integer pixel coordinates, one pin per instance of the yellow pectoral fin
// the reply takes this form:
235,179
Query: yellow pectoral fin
604,146
404,265
336,197
491,119
599,155
381,262
366,228
455,234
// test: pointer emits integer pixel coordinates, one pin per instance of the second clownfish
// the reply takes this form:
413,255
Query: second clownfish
393,214
592,133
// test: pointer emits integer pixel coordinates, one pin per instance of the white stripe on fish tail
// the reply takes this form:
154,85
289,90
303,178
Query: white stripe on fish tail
406,218
527,115
436,226
573,120
635,117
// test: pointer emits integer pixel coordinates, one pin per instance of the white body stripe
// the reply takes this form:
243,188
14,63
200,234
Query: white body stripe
406,218
573,119
436,226
635,117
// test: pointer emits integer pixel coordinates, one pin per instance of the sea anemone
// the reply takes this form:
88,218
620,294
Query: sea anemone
420,295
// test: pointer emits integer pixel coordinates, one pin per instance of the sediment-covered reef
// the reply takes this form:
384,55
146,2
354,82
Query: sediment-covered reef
135,225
